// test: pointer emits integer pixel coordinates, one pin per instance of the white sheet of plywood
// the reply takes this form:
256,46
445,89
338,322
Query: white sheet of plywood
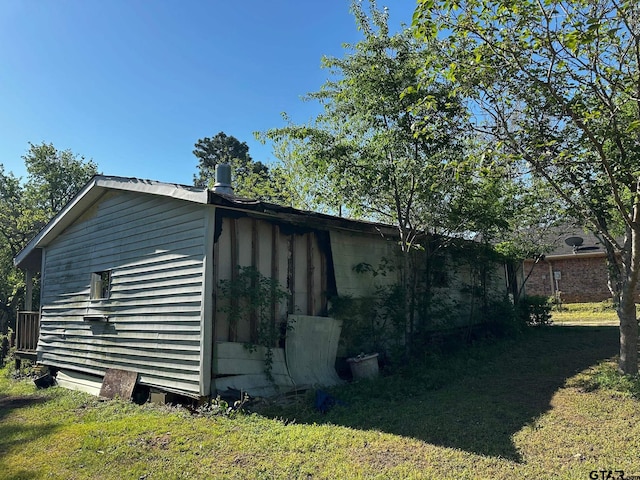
233,358
256,385
79,381
311,349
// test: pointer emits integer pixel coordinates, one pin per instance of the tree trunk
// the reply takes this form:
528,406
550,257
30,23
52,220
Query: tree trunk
405,282
628,363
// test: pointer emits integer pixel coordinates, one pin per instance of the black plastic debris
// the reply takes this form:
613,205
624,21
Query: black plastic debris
325,402
45,381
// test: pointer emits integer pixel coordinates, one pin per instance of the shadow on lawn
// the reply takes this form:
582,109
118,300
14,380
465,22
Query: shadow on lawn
480,397
11,402
15,434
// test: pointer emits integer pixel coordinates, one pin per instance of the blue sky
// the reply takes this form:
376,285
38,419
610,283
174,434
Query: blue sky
134,84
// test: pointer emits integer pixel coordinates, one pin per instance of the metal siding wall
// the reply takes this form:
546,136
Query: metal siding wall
155,249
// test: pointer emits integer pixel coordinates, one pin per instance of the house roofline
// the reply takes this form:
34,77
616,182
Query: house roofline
567,256
297,216
30,256
87,196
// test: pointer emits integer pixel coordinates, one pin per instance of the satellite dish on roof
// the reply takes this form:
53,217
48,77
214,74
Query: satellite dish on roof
574,241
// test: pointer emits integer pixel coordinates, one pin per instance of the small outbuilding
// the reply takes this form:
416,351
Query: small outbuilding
131,276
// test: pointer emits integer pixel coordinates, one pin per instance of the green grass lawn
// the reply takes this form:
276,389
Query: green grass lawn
601,313
525,408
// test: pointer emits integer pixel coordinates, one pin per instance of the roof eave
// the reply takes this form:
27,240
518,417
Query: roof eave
88,195
300,217
571,256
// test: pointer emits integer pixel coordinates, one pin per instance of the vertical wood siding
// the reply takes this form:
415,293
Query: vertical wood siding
154,248
294,259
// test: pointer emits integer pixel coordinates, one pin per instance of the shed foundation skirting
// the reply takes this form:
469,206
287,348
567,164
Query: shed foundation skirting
82,382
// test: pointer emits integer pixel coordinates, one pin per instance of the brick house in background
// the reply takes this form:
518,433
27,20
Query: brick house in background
577,268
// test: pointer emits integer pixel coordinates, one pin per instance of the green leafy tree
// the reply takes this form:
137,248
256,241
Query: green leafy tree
11,287
15,230
555,85
53,178
301,187
384,149
506,207
364,156
250,178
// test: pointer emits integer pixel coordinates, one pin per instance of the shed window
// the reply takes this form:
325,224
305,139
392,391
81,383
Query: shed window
100,285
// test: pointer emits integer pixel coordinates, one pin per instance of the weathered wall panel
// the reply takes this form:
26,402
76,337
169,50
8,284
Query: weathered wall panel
459,286
300,272
469,283
154,248
293,259
350,249
224,265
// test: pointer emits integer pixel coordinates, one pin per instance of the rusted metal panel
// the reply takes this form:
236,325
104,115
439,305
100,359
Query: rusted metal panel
118,383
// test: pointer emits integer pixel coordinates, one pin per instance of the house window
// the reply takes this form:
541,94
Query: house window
100,285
